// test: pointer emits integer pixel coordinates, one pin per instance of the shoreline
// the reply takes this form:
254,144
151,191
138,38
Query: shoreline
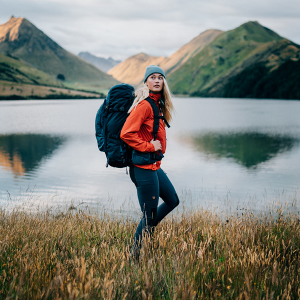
19,91
50,97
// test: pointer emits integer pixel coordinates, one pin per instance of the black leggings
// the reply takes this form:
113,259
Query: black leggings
150,186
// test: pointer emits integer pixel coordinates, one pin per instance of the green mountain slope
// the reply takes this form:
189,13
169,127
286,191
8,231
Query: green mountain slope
14,70
272,73
20,38
220,57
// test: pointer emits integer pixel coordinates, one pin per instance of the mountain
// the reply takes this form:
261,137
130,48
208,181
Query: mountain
133,68
222,57
99,62
20,38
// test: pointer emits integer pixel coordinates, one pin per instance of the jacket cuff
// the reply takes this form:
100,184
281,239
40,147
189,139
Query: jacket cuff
151,147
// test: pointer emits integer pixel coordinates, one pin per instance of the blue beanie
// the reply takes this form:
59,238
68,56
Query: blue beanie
153,69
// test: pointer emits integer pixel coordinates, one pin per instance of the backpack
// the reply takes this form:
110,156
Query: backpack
110,119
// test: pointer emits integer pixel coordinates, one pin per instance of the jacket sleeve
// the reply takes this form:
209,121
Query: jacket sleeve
130,131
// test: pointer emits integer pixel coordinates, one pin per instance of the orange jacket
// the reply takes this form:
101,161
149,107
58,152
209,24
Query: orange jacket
138,128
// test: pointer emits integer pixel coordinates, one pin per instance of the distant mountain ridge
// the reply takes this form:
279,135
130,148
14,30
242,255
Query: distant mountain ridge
99,62
20,38
133,68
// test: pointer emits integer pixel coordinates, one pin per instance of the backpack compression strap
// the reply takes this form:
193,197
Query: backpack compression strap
157,117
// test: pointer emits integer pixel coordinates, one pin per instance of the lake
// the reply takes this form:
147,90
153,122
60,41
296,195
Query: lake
222,154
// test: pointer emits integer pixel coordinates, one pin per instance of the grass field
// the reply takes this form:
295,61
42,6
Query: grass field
13,91
76,255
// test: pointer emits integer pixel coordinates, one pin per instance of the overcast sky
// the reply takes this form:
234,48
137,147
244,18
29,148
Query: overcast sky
121,28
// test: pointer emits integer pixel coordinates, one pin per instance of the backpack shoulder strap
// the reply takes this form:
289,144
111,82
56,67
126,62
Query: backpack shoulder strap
156,116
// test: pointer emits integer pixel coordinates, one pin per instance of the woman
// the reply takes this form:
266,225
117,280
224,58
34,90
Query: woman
150,180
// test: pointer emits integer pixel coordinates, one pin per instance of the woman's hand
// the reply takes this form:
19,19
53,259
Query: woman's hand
156,144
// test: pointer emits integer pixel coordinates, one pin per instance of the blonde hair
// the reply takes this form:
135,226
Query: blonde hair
167,109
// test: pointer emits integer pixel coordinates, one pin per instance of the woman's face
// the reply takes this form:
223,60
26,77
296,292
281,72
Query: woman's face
155,82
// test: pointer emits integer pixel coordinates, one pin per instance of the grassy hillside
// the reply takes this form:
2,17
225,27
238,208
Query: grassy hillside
22,39
257,82
273,73
14,70
220,57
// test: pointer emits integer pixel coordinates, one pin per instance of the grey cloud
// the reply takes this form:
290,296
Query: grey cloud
121,28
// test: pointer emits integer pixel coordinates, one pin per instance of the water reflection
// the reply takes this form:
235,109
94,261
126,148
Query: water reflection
248,149
22,153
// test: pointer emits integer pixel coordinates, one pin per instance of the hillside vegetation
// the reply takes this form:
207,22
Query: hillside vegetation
14,70
274,73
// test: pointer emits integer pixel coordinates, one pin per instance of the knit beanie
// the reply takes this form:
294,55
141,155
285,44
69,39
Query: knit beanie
153,69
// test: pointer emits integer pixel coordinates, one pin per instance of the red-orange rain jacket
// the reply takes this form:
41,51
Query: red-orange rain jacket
138,128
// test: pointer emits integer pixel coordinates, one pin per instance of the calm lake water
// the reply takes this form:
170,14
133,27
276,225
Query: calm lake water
222,154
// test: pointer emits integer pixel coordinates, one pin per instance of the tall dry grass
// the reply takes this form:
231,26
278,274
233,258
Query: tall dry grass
195,256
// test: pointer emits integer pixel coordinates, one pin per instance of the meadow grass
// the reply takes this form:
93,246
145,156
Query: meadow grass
195,255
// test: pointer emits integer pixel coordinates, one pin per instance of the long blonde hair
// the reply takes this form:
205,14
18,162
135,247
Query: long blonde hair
167,109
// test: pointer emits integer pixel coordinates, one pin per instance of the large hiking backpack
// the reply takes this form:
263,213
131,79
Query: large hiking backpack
110,119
